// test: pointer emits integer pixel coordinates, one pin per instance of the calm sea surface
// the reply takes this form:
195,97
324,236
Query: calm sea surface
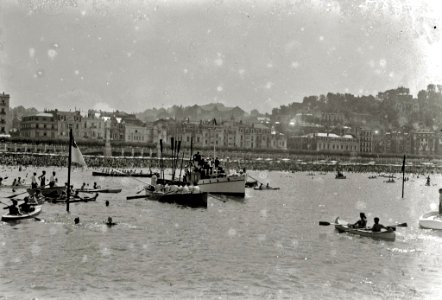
265,246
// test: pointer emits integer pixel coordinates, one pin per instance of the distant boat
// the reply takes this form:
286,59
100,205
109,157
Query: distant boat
339,175
122,174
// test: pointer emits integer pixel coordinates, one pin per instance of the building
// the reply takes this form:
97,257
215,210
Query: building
93,127
5,114
40,126
228,134
424,142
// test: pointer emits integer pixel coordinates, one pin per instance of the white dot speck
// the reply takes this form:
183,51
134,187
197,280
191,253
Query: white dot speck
219,88
382,63
31,52
231,232
295,65
52,53
219,62
185,71
83,13
76,72
321,38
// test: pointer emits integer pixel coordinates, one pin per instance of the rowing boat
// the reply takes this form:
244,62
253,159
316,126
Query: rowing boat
266,188
122,174
9,217
342,226
106,191
431,220
184,199
73,199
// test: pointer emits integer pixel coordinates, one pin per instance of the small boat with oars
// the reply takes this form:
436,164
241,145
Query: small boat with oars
117,173
104,191
192,197
343,226
36,211
265,188
72,199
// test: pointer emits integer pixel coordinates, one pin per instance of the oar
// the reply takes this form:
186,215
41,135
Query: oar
12,196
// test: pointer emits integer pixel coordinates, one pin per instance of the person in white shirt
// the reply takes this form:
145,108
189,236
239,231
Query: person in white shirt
52,180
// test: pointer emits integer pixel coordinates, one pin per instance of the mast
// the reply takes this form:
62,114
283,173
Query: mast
68,192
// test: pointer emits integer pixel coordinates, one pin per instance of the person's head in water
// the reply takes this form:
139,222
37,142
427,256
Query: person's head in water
14,202
77,220
362,215
107,202
109,220
26,199
376,220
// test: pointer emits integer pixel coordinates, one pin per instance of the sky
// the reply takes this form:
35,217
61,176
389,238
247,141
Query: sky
134,55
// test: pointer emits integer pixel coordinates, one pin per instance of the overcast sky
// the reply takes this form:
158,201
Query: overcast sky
133,55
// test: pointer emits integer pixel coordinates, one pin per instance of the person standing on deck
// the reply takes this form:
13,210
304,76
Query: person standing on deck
34,183
42,178
52,180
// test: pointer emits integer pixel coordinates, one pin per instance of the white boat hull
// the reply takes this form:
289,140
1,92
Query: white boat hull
231,185
431,220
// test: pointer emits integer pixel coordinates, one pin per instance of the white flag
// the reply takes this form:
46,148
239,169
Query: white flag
77,157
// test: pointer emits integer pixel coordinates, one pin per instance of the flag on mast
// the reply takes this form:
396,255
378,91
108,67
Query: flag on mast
77,157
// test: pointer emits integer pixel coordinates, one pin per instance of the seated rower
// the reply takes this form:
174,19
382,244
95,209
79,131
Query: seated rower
96,186
109,222
377,227
260,186
267,186
13,209
361,223
26,207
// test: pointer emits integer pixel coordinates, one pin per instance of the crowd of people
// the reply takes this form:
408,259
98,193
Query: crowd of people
206,165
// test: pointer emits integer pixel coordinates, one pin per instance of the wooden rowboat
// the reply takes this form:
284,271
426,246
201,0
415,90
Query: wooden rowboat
32,214
342,226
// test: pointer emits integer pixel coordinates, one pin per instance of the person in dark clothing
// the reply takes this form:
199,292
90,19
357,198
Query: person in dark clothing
377,227
13,209
26,207
42,178
361,223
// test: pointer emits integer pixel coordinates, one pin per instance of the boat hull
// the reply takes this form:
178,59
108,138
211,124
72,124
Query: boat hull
189,199
342,226
9,217
230,185
48,192
106,191
96,173
431,220
266,189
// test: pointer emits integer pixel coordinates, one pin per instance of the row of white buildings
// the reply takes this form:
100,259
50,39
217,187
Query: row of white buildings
126,128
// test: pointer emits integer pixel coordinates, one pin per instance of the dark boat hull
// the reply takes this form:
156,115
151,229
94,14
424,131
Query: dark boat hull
96,173
189,199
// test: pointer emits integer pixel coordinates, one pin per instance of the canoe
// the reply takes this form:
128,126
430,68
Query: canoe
122,174
340,177
266,188
342,226
72,200
9,217
106,191
20,186
431,220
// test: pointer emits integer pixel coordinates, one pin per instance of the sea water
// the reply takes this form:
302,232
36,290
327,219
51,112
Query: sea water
267,245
